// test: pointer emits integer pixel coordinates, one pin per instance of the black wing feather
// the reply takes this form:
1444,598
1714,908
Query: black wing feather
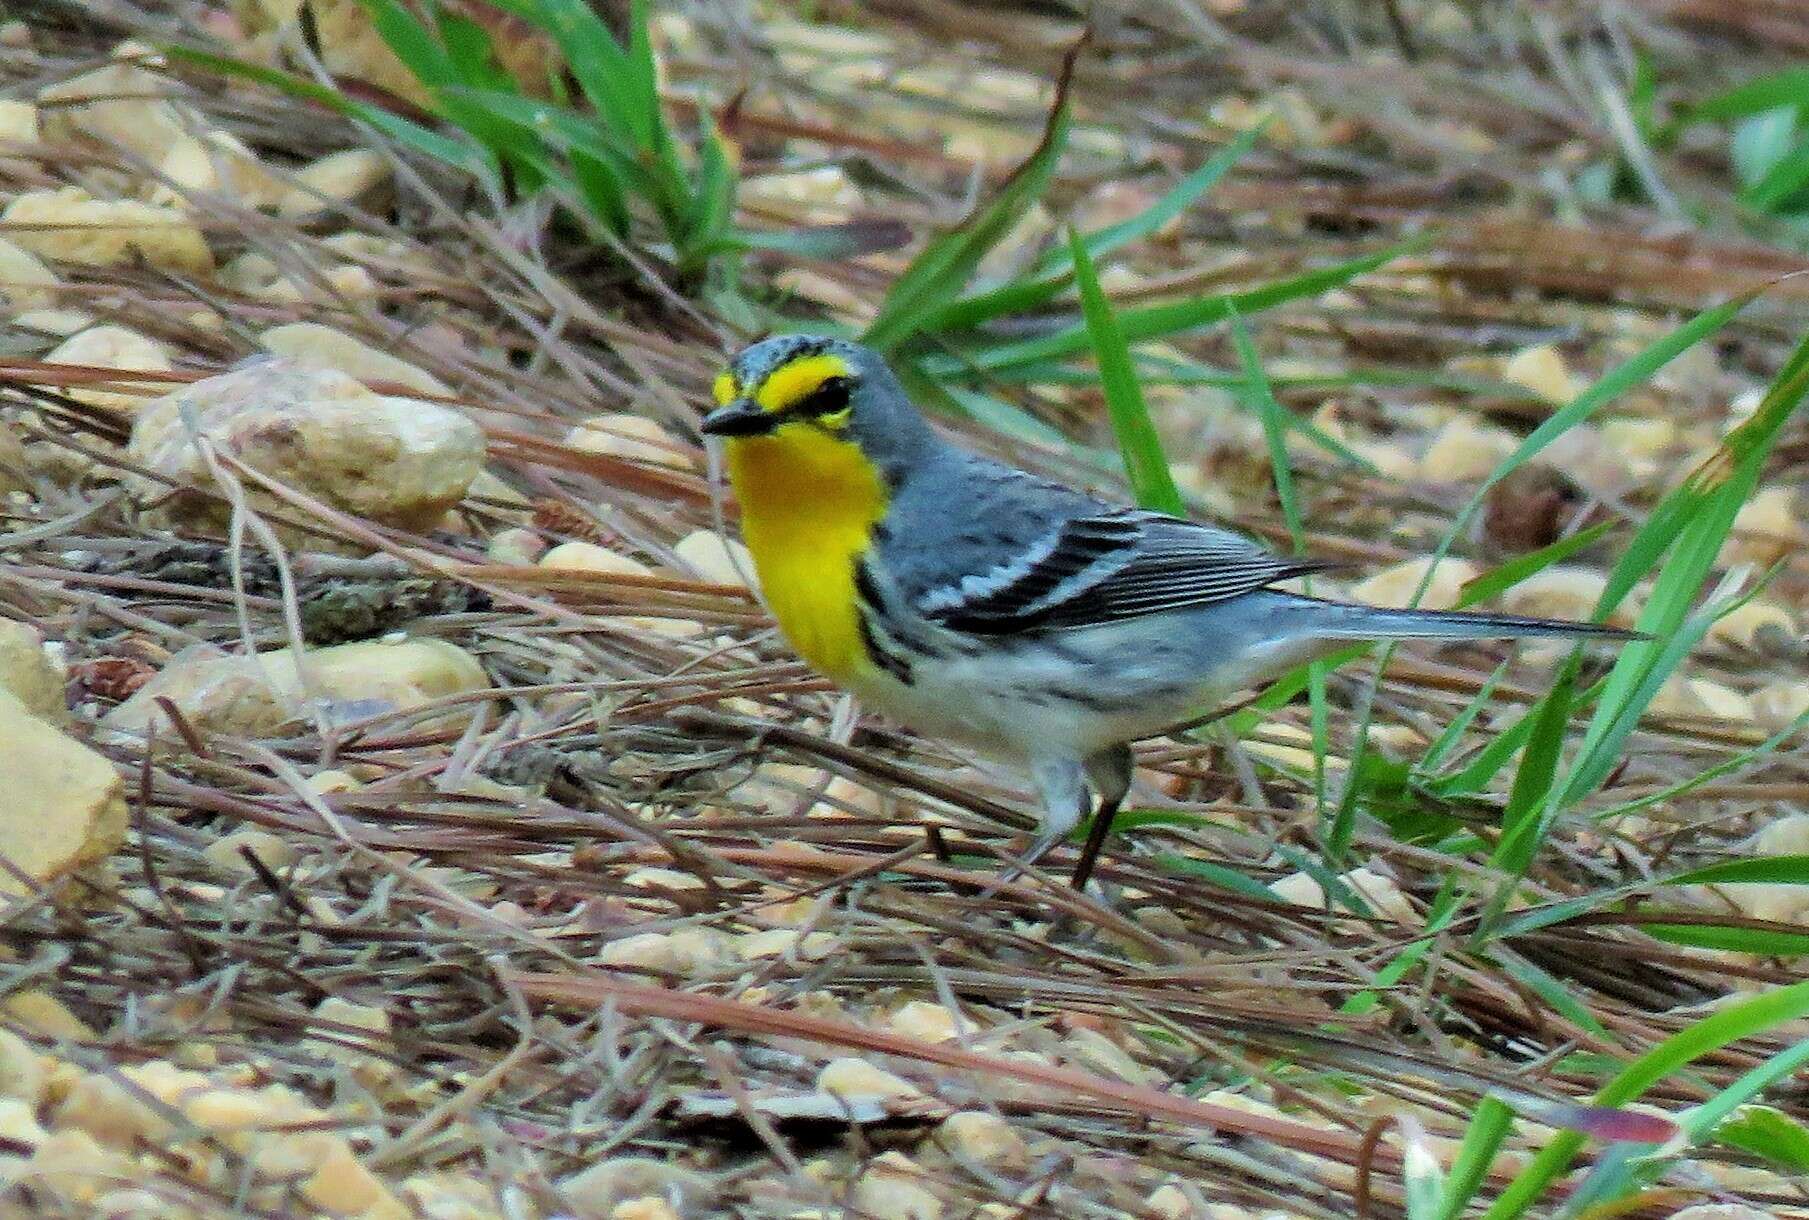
1114,565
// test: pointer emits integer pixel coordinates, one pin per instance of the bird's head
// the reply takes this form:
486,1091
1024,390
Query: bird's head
798,390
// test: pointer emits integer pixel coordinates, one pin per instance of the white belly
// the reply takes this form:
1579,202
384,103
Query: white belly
1013,707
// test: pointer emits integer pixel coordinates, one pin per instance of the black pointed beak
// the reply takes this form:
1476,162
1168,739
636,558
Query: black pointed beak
743,417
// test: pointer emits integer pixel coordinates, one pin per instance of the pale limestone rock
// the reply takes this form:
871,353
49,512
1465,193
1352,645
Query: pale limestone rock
60,323
1787,836
582,556
26,672
1382,893
105,233
42,1013
22,1070
226,853
785,942
1681,695
926,1021
1465,450
648,1207
1394,587
122,105
71,1166
662,878
894,1187
1723,1211
25,280
19,1124
1098,1053
1169,1202
18,122
336,349
451,1196
1756,625
1300,757
1564,591
1299,889
589,557
370,1068
15,467
824,195
855,1080
983,1137
1768,527
1396,740
112,347
597,1191
718,559
341,1184
1542,370
114,1114
1587,458
686,952
350,45
1777,705
336,178
213,160
1647,439
265,695
257,275
395,460
333,780
634,437
65,806
1389,458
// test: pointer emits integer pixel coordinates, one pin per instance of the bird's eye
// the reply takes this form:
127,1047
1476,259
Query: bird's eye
828,403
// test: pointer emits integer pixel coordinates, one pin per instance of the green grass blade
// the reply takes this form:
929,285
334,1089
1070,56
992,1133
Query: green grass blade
1460,724
1761,942
1213,874
1170,318
1707,775
1731,1024
1183,195
1258,395
601,188
450,150
1633,372
1770,870
942,270
1533,781
1767,1132
1622,1169
1054,272
1548,987
605,74
411,41
1482,1141
1145,465
1499,580
1787,88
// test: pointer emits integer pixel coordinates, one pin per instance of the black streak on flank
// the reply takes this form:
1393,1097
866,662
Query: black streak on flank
893,664
868,593
864,587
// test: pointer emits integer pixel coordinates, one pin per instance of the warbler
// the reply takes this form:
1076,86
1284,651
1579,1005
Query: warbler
975,602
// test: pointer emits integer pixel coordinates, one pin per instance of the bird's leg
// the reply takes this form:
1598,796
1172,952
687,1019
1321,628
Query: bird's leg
1110,772
1061,785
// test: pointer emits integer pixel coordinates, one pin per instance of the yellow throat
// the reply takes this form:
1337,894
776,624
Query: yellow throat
809,501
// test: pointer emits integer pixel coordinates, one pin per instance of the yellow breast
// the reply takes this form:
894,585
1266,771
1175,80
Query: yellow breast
808,506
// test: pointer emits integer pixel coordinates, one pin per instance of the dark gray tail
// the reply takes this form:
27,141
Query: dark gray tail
1379,623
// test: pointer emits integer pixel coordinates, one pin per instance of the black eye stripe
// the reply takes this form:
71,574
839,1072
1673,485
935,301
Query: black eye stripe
831,395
